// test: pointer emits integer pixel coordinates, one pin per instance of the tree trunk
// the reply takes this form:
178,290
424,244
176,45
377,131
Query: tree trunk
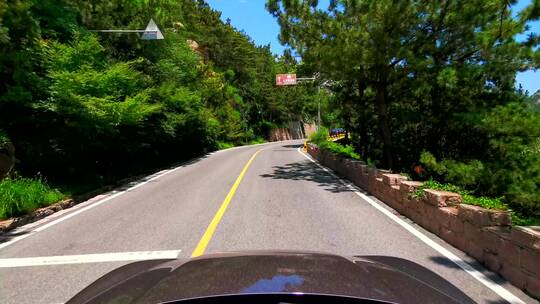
360,107
381,105
436,109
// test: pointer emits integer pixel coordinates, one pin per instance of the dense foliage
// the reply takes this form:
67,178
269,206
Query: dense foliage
429,83
81,106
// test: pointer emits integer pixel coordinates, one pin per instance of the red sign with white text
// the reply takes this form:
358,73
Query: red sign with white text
285,79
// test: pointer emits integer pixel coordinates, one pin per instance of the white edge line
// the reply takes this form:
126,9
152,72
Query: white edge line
89,258
498,289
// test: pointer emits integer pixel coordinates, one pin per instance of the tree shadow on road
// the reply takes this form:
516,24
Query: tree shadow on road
292,146
306,171
475,264
8,236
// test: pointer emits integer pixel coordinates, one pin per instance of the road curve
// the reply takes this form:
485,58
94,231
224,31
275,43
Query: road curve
284,201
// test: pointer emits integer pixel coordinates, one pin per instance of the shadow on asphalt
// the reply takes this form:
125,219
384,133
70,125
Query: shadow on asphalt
123,185
444,262
305,171
501,301
490,275
292,146
8,236
422,274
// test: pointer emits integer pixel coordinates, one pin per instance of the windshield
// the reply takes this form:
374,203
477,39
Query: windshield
402,136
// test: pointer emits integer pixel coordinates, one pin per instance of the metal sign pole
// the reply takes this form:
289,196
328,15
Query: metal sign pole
281,80
118,31
151,32
318,99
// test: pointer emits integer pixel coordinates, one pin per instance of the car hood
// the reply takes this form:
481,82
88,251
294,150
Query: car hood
374,277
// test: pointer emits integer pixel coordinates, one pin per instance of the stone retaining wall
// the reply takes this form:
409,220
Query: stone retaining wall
486,235
279,134
294,130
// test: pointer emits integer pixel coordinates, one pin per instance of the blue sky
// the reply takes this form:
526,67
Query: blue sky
251,16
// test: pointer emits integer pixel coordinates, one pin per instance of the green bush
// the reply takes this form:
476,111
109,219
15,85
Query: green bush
320,138
514,155
510,165
465,174
4,139
19,196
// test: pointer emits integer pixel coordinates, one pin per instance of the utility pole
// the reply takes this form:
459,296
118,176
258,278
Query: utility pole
318,108
318,99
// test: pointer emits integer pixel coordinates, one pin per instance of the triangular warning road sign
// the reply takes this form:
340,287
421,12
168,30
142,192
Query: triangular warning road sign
151,32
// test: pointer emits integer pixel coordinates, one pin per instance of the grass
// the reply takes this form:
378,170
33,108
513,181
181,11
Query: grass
344,151
406,174
258,140
481,201
21,195
468,198
224,145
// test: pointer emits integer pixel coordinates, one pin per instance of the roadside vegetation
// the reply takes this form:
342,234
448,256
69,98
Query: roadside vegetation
470,198
21,195
430,89
320,138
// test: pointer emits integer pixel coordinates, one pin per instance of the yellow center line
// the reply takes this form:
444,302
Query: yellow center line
207,236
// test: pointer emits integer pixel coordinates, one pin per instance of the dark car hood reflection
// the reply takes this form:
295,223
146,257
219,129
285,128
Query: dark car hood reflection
265,272
277,283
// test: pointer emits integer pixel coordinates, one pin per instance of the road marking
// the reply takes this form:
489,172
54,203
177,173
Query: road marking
79,209
27,229
89,258
207,236
482,278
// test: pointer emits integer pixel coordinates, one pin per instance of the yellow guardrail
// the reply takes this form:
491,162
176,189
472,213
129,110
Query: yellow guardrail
336,137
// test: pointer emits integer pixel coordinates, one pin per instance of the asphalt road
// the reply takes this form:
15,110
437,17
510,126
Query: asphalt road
284,201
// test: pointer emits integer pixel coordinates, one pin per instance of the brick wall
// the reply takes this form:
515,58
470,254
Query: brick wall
484,234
